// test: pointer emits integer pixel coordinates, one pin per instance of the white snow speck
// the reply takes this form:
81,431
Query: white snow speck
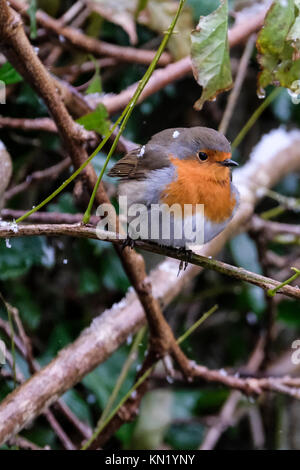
141,152
9,226
2,146
175,134
65,261
7,243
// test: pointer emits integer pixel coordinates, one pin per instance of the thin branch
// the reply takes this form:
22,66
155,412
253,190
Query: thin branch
47,217
49,173
233,97
25,124
272,229
82,231
79,40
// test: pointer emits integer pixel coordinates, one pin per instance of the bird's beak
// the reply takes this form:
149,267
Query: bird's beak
229,162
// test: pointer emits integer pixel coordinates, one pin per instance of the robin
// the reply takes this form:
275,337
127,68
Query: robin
180,168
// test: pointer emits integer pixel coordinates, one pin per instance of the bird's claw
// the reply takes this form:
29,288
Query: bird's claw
128,242
187,258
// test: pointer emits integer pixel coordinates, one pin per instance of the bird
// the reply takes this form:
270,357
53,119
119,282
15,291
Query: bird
178,168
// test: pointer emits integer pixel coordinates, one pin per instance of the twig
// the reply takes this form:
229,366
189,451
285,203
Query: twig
233,97
23,344
23,443
226,415
272,292
123,374
89,44
49,173
271,229
133,397
80,231
64,438
25,124
47,217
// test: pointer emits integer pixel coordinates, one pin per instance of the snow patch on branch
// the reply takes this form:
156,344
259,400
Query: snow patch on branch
273,143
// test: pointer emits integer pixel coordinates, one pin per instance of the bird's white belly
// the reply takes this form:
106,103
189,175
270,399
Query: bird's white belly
160,225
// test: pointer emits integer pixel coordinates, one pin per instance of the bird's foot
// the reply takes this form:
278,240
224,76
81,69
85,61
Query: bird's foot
128,242
187,258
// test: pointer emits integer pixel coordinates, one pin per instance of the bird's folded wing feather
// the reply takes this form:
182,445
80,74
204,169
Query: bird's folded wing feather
137,163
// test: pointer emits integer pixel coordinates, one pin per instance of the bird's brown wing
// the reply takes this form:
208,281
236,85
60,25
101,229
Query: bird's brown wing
137,163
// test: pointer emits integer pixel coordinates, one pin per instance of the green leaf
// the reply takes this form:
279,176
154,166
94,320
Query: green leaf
96,83
96,120
32,16
158,16
9,75
294,33
95,86
278,44
118,12
210,54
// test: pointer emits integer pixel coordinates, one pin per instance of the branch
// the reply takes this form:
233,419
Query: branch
93,46
83,231
48,173
270,229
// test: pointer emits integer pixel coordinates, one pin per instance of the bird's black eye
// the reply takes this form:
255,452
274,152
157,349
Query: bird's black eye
202,156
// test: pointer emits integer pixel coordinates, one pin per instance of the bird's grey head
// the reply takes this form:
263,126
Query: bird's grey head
184,142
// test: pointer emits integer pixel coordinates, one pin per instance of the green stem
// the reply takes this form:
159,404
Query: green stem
123,374
143,82
255,117
142,379
271,213
197,324
272,292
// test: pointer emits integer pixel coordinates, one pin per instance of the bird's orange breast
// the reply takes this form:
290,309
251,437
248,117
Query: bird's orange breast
196,184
